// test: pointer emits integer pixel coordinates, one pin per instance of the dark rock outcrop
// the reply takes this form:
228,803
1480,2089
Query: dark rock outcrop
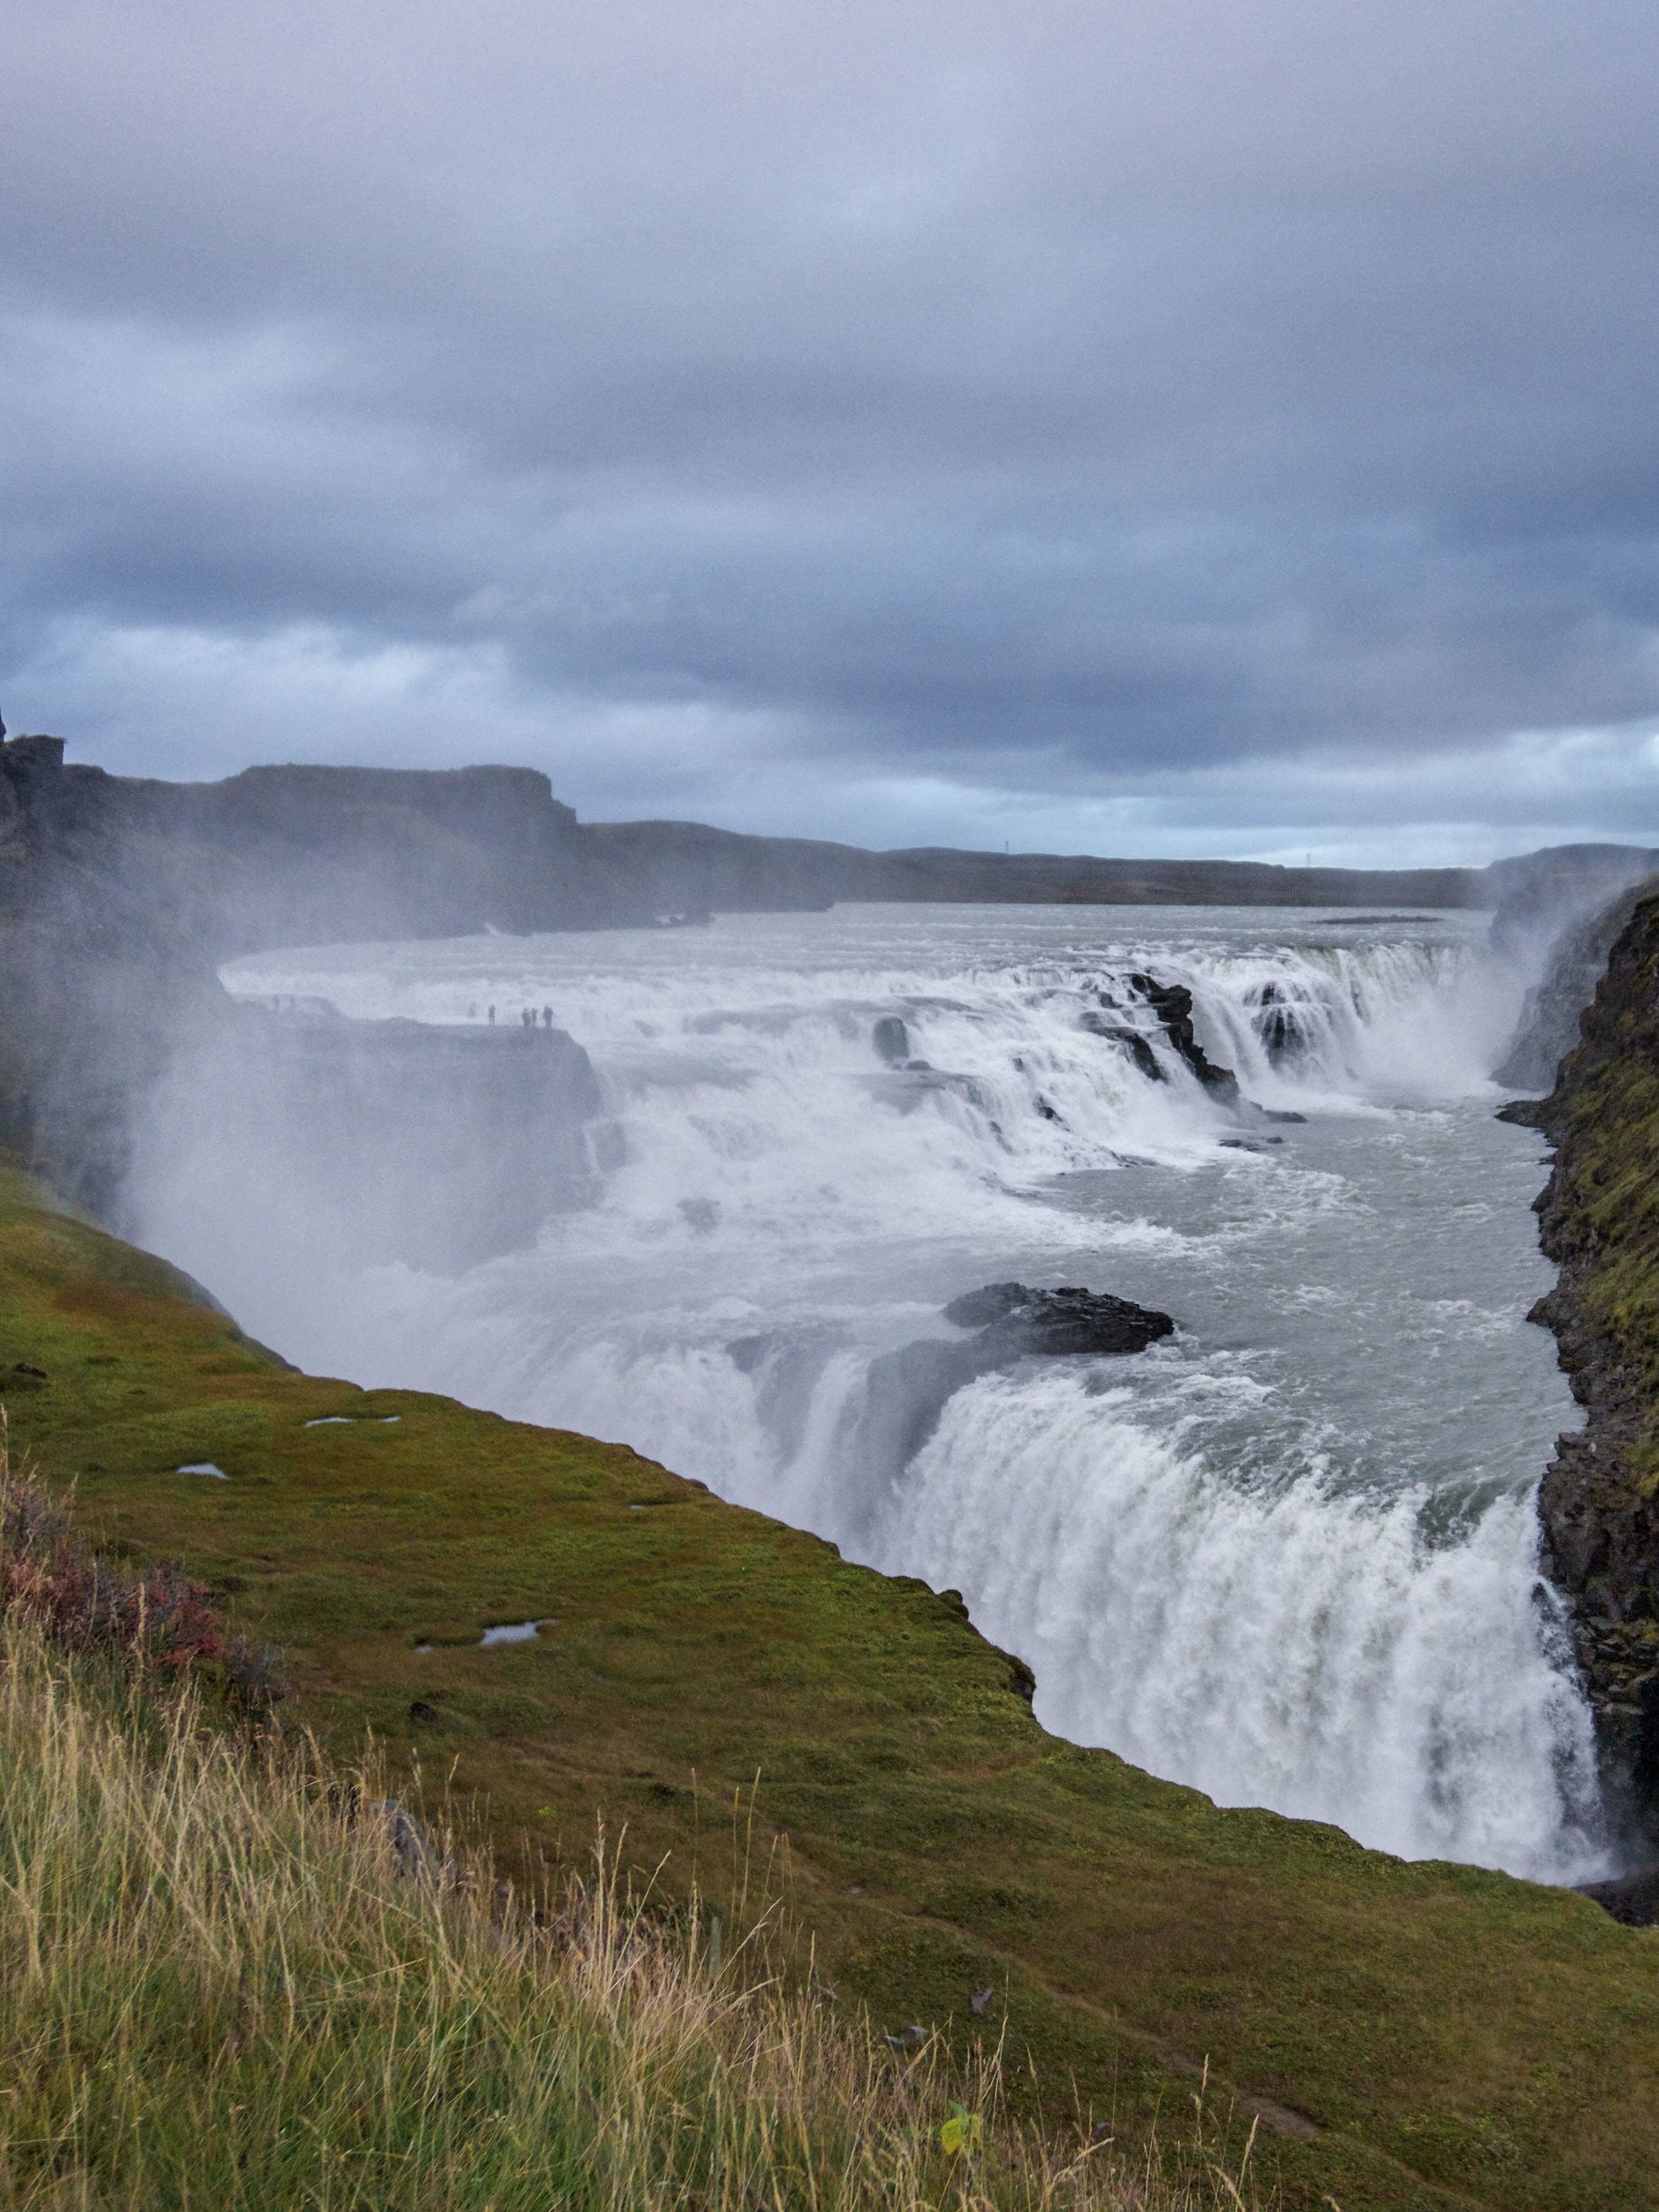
1134,1041
1599,1221
1172,1005
906,1390
99,968
892,1040
1016,1321
1632,1900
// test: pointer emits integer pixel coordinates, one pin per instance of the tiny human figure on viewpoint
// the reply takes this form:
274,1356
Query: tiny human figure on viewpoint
547,1018
492,1018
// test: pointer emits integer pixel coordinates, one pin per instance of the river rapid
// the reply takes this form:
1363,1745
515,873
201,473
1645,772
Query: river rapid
1289,1555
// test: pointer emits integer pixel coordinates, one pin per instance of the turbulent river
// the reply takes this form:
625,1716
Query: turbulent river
1289,1555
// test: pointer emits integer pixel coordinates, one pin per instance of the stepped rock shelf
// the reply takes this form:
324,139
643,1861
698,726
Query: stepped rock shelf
1409,2036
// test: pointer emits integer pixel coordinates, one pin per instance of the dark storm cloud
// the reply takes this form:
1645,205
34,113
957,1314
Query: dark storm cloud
1200,427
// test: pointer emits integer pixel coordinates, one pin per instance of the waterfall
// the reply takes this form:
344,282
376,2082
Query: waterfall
1289,1556
1271,1641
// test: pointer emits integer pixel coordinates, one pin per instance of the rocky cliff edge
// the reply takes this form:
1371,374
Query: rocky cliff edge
1599,1221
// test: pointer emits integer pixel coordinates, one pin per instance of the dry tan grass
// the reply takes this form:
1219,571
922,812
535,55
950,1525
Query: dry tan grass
222,1986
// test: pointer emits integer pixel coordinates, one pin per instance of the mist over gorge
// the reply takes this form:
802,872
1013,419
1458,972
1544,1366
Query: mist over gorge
708,1184
1250,1560
709,1190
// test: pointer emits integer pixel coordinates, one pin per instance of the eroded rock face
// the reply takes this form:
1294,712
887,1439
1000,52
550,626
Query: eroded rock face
1599,1221
363,1141
1172,1004
1536,896
1549,1026
305,855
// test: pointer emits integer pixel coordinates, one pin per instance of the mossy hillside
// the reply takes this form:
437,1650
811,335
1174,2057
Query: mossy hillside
1414,2037
1606,1117
1617,1121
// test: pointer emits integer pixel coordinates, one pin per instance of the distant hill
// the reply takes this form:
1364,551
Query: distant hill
299,854
684,867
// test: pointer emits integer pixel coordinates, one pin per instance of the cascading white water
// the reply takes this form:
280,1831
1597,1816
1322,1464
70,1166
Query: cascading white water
1289,1556
1286,1644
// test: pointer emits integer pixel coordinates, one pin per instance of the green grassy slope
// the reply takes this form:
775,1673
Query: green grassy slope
1414,2037
221,1991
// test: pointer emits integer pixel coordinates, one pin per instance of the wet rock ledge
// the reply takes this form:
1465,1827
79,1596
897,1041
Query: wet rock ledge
1015,1320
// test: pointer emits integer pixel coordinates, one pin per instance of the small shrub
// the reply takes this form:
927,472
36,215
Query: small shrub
153,1617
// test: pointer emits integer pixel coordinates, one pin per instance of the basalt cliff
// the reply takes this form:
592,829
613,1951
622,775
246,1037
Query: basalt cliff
1599,1218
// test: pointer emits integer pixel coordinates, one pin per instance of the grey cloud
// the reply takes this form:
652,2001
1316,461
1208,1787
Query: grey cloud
982,407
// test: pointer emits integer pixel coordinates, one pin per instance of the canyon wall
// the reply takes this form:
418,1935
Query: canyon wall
117,900
1599,1220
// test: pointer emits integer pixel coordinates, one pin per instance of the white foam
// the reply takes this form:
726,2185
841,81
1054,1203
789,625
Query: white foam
1284,1645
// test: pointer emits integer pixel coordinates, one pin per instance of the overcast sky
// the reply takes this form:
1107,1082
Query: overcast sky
1153,426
